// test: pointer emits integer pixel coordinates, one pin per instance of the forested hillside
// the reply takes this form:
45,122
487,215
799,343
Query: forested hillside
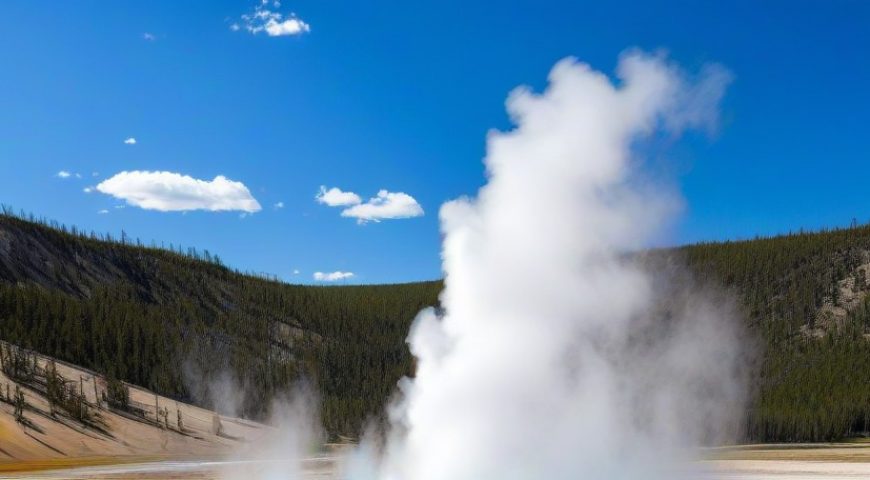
178,322
806,300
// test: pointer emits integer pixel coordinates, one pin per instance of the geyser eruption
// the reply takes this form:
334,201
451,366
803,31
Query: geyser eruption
551,358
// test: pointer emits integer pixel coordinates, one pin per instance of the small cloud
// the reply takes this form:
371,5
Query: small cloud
88,190
332,276
78,175
334,197
149,37
296,271
273,23
103,212
278,205
119,207
290,26
63,174
130,141
95,174
386,205
174,192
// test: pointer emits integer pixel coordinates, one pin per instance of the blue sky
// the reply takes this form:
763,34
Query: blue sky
399,95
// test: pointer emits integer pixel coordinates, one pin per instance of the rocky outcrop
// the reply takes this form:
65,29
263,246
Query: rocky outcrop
850,294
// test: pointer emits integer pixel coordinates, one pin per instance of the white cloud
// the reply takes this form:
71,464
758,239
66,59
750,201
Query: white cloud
273,23
290,26
130,141
296,271
88,189
67,174
169,191
387,205
334,197
332,276
278,205
103,212
149,36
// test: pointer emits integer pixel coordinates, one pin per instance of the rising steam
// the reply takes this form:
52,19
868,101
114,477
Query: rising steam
557,355
560,352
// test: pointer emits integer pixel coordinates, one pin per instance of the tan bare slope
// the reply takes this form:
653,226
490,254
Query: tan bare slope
44,439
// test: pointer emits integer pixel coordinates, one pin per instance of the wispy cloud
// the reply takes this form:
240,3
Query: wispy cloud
278,205
63,174
332,276
103,212
130,141
88,189
335,197
274,24
174,192
149,36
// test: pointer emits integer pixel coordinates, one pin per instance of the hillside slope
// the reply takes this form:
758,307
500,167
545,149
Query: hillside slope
177,323
181,324
147,426
806,303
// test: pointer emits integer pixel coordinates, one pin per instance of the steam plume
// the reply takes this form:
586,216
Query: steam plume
546,362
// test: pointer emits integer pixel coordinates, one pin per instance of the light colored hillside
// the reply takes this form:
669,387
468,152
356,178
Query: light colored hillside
43,437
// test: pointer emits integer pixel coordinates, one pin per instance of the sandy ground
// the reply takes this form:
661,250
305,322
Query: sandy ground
788,470
318,468
58,440
323,469
801,464
855,452
833,461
